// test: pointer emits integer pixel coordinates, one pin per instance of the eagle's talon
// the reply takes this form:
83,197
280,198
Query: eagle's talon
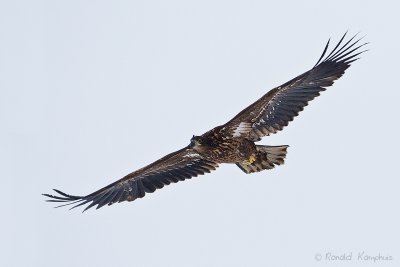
251,160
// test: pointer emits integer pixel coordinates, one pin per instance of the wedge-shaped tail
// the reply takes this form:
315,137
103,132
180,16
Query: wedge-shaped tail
266,158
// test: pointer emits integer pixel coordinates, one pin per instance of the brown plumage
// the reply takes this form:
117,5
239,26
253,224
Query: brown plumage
233,142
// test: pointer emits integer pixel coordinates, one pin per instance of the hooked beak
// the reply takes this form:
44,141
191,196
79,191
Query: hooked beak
192,144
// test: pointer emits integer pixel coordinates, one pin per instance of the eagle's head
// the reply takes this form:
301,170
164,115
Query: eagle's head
201,143
196,142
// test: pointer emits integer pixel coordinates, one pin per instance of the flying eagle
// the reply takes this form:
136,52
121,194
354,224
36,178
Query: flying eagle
233,142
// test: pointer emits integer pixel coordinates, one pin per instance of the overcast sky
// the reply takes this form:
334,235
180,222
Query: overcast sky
92,90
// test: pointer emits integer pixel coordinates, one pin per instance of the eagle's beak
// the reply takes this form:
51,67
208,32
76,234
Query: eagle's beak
191,145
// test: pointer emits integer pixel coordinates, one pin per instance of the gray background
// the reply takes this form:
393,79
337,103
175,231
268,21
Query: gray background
92,90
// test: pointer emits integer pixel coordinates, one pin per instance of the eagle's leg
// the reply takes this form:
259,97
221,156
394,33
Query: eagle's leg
251,160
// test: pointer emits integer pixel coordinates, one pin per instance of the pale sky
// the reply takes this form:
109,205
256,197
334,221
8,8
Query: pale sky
92,90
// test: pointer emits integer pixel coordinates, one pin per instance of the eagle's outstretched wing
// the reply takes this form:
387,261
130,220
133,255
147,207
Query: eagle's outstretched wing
275,109
177,166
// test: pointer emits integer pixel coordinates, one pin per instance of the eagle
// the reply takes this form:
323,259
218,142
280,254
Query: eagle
235,141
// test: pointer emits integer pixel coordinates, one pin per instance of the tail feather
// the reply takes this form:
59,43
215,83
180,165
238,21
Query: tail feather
266,158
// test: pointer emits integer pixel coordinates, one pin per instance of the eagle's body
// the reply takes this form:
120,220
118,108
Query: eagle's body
233,142
215,146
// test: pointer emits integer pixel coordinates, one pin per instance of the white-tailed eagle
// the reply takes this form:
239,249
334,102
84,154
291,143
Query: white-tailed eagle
233,142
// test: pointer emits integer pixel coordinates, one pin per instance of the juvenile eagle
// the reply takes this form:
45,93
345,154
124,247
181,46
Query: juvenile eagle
233,142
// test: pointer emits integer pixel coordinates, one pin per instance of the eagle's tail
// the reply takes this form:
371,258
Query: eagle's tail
266,158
